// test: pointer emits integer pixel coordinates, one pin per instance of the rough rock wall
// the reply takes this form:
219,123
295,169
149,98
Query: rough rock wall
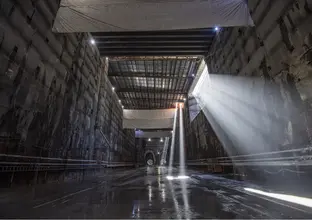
205,142
278,51
56,100
140,150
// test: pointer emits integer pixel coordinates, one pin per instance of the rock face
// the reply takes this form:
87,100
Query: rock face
56,99
276,55
275,60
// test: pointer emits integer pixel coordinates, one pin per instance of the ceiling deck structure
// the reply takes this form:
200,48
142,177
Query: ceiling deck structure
153,69
192,42
152,82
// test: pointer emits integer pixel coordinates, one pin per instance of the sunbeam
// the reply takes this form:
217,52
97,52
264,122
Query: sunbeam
182,153
246,113
173,141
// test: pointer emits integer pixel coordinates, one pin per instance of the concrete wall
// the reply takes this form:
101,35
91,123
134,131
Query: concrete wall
56,99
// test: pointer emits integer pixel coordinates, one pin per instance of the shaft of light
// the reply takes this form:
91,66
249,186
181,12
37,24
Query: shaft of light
175,201
182,156
185,199
177,177
288,198
173,141
164,153
248,114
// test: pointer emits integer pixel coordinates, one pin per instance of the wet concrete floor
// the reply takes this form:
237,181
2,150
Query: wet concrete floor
140,194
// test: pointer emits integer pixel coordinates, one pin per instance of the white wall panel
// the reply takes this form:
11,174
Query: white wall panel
135,15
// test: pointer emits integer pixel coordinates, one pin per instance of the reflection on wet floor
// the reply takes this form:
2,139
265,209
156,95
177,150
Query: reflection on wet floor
151,198
147,193
159,197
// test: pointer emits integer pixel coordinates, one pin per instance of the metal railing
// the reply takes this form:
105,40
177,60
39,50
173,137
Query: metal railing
292,157
117,164
20,163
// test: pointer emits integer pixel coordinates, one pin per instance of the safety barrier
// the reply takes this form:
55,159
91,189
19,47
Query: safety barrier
117,164
297,157
20,163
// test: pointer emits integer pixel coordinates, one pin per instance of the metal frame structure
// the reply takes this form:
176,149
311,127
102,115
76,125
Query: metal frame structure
192,42
153,69
152,82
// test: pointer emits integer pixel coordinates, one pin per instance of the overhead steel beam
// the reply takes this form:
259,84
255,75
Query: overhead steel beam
104,38
151,47
155,49
152,75
145,90
191,42
151,100
159,36
151,53
146,107
138,58
155,44
153,130
154,41
206,32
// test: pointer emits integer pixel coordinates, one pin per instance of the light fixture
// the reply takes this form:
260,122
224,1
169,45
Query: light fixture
216,28
193,75
171,131
184,99
113,88
158,152
149,139
92,41
161,140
